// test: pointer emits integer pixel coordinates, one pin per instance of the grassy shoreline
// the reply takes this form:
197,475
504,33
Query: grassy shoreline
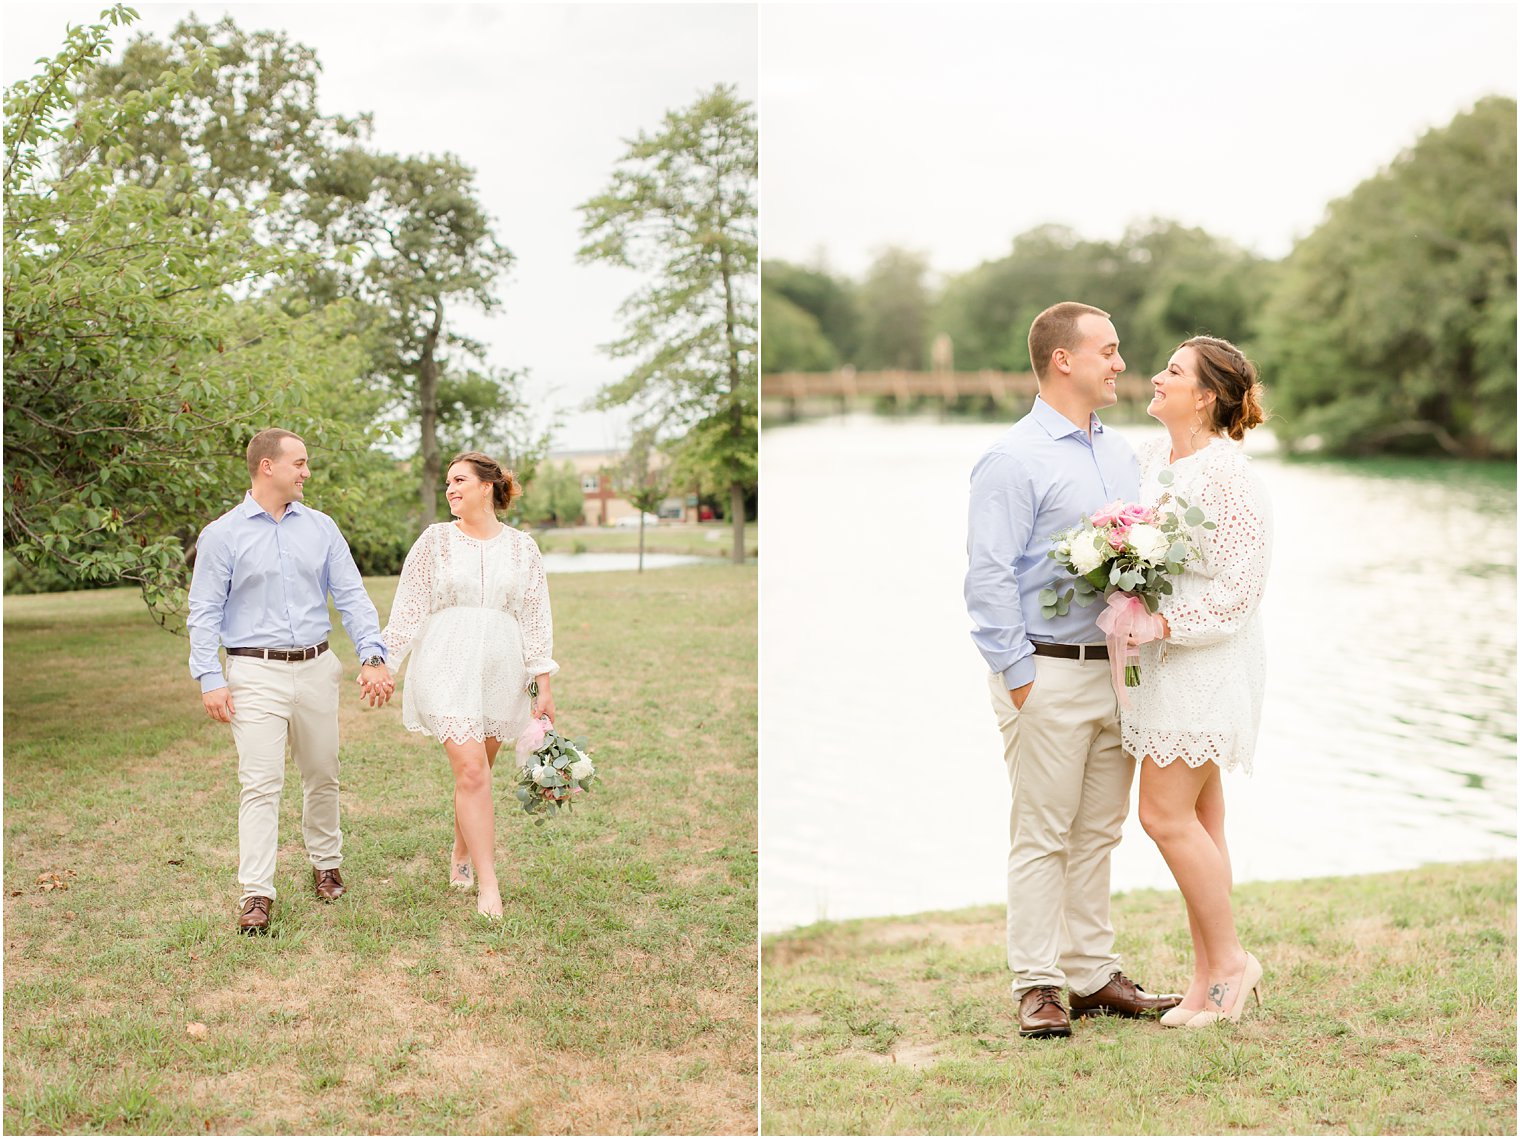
617,996
1390,1008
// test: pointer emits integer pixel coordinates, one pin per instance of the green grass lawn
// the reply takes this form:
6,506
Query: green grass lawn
618,995
706,539
1389,1009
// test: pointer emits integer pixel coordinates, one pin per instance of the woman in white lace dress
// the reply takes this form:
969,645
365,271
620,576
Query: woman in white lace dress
1198,706
472,610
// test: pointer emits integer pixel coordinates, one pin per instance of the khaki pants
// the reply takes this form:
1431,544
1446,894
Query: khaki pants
1070,780
275,703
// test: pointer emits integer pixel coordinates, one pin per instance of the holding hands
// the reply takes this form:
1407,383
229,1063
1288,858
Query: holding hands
376,683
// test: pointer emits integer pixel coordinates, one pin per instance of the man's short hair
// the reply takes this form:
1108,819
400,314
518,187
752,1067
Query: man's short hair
1054,328
267,444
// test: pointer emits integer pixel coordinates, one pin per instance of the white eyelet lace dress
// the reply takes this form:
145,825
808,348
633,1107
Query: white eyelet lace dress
1200,690
474,617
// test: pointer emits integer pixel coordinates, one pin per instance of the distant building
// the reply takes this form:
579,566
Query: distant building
604,506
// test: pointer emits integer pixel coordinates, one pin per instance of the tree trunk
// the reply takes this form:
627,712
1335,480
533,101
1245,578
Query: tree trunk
427,406
736,415
736,512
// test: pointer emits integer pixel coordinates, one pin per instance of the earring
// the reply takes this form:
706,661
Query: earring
1197,427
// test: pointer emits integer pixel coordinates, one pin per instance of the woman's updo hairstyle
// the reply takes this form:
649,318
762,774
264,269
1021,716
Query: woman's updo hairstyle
504,487
1224,370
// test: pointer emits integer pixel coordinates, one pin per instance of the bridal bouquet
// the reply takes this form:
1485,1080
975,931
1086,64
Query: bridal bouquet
1128,553
551,770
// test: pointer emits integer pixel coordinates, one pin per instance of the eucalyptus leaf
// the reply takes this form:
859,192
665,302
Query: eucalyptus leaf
1194,516
1166,478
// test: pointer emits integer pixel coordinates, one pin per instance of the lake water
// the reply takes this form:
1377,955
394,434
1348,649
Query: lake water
1388,736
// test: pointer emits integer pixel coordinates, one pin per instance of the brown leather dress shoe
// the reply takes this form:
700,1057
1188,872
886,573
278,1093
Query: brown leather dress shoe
1123,997
255,915
329,883
1042,1014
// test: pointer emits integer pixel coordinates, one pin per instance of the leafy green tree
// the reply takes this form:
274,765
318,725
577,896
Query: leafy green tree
681,208
245,128
144,342
1393,324
833,303
793,342
1162,281
424,244
896,311
553,494
405,236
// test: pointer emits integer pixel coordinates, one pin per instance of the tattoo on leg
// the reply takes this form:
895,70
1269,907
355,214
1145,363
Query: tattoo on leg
1217,993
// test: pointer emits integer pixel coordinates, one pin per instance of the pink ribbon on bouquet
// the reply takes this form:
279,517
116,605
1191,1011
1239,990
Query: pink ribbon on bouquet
1126,615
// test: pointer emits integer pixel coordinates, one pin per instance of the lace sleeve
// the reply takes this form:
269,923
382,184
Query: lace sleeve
413,603
1236,552
535,619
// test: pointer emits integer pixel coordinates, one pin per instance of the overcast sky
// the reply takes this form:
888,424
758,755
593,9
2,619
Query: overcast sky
951,128
538,98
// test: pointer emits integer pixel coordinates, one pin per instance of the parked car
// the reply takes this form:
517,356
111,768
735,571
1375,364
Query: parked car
633,520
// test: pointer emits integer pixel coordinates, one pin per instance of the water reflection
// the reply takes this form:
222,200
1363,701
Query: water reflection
1389,728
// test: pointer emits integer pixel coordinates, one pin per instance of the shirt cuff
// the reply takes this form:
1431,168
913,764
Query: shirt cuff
212,681
373,649
1019,673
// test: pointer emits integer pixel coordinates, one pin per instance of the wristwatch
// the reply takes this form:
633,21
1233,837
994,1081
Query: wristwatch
373,662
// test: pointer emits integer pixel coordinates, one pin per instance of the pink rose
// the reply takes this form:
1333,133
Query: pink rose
1109,514
1116,537
1137,513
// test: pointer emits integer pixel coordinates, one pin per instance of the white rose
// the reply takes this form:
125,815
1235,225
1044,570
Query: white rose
1149,543
541,774
581,768
1088,554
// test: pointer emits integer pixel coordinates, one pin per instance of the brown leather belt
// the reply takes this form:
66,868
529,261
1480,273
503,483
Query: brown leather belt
281,654
1071,652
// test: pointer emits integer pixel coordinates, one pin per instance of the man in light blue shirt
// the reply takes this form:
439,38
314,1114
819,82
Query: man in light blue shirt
1049,676
263,572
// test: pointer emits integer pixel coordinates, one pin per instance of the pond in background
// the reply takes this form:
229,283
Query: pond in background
1388,735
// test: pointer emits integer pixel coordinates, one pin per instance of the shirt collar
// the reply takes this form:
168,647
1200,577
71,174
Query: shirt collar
1056,425
250,507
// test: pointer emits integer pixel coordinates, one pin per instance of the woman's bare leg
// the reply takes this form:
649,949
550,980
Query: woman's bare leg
475,817
1170,799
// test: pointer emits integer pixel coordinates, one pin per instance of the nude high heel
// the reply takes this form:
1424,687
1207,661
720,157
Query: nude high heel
1250,982
1179,1016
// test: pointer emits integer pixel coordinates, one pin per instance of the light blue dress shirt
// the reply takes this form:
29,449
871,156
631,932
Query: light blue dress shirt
1040,478
262,584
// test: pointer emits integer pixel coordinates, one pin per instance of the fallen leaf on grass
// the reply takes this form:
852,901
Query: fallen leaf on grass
68,915
196,1030
53,880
